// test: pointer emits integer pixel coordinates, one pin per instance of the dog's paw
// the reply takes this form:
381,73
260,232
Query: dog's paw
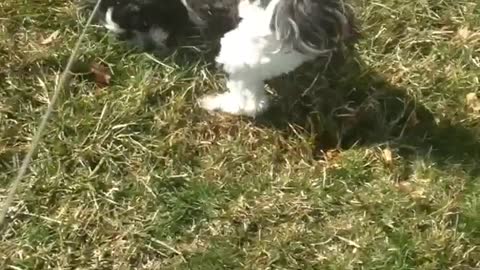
234,104
210,103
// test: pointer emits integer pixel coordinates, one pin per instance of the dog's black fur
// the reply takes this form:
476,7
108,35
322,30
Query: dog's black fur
138,17
313,26
208,18
141,15
308,26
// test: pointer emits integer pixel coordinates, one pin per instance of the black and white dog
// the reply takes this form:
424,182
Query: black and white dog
260,39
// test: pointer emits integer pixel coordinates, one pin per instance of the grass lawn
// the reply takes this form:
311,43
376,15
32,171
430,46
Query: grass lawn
369,164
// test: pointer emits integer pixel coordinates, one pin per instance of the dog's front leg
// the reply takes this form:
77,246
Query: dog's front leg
241,56
245,96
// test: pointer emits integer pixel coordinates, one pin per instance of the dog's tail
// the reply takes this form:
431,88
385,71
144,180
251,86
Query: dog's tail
314,26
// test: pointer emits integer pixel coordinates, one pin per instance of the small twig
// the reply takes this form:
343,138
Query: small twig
41,128
151,57
42,217
348,241
165,245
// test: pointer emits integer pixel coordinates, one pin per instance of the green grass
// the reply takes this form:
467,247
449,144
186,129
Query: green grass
135,175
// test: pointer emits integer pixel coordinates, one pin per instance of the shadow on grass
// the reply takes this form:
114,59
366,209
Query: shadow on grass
352,105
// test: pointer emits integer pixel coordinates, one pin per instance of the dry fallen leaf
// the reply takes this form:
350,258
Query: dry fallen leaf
53,36
404,186
332,154
464,33
102,75
387,156
418,193
473,102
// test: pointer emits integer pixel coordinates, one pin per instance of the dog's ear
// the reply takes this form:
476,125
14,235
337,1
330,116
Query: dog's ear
130,16
313,26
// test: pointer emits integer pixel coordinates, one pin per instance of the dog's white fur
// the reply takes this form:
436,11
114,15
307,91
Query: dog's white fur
110,24
251,54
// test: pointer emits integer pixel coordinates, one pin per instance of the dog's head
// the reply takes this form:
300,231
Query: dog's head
148,24
142,15
314,26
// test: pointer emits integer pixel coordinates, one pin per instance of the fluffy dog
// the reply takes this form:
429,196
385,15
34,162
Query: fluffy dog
260,39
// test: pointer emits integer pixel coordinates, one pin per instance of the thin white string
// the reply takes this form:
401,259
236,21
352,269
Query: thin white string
41,128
